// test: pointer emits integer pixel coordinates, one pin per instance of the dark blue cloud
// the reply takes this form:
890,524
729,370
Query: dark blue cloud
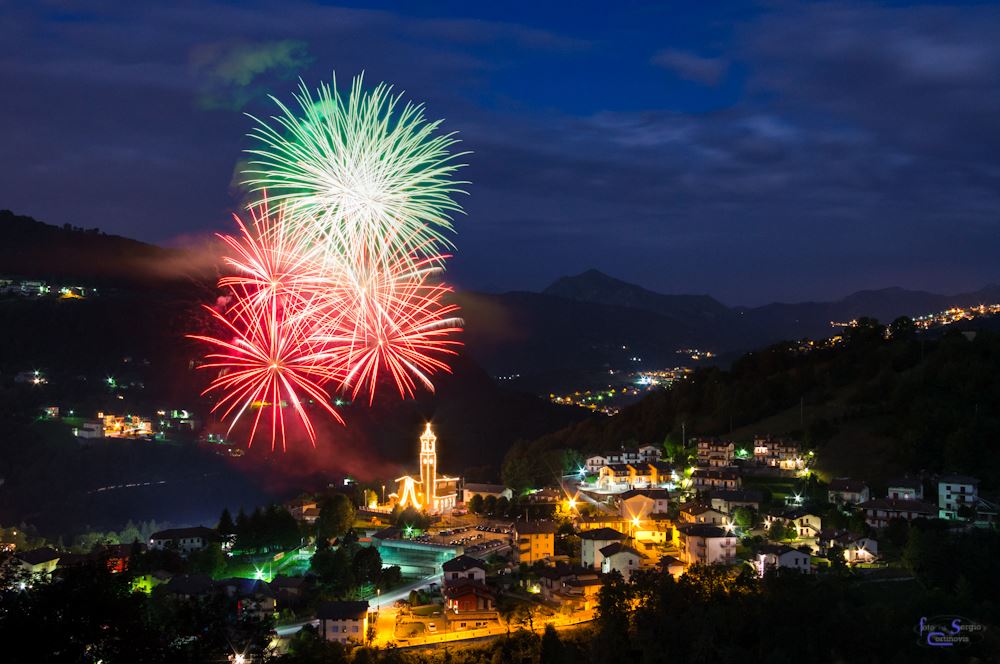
753,153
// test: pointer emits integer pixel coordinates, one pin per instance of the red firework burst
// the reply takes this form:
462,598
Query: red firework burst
395,324
271,359
297,324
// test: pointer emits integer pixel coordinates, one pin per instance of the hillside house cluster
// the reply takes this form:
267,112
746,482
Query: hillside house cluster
641,455
957,499
778,453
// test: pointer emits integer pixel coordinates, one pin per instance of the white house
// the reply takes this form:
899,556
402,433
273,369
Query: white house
698,513
485,491
89,429
615,477
845,491
856,548
625,456
343,621
649,453
464,568
184,540
645,454
591,543
805,523
727,500
778,453
775,556
715,453
705,544
643,502
672,566
704,479
880,511
620,558
861,550
956,492
905,488
593,464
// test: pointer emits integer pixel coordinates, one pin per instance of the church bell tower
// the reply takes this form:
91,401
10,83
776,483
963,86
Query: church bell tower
428,468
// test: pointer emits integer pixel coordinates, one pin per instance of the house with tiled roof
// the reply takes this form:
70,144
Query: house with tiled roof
673,566
189,586
773,556
804,522
845,491
591,543
727,500
905,488
695,512
704,479
621,558
880,511
705,544
343,621
533,541
38,561
643,502
464,568
957,493
184,540
466,595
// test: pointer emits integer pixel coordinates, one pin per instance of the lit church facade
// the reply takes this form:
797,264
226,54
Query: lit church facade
430,492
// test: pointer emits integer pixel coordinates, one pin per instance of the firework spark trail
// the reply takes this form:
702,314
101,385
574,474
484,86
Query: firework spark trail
338,285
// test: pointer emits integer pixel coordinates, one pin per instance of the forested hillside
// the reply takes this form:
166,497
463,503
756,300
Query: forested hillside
903,403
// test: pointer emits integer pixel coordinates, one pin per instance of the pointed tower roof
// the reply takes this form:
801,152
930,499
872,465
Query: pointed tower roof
427,439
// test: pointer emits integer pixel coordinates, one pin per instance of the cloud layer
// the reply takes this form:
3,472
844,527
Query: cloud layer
815,151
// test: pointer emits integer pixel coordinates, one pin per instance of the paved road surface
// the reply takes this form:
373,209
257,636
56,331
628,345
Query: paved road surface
385,600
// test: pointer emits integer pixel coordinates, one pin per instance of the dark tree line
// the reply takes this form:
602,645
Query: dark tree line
264,530
350,568
88,614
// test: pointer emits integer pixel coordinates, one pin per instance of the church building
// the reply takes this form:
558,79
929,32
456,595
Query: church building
429,492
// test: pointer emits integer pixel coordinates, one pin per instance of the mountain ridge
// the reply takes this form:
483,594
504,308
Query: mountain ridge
588,322
774,321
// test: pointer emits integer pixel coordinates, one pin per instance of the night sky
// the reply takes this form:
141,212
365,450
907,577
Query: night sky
755,152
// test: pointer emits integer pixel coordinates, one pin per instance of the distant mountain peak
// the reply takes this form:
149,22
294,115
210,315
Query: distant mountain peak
595,286
588,279
594,273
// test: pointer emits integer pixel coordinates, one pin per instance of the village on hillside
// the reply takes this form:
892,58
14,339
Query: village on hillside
436,559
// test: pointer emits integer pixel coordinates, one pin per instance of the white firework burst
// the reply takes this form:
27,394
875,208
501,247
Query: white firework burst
366,174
